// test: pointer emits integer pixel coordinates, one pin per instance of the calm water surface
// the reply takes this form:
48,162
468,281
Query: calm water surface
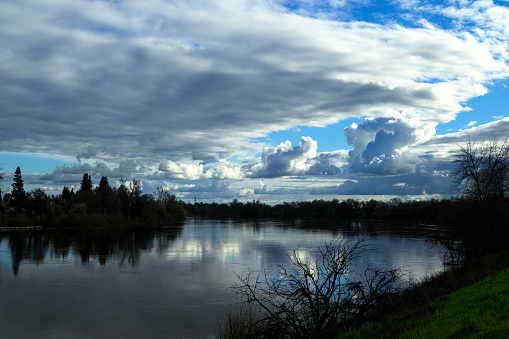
171,282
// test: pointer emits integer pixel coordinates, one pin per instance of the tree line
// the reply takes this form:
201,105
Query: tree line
478,215
100,206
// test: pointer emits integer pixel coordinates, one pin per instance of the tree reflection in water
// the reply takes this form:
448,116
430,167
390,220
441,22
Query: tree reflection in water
103,245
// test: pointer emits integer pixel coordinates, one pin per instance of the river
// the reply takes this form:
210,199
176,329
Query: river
167,282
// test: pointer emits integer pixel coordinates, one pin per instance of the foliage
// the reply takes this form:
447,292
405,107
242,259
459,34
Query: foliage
313,298
426,211
125,204
18,195
86,183
1,178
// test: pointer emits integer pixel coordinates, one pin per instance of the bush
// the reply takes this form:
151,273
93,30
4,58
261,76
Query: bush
312,298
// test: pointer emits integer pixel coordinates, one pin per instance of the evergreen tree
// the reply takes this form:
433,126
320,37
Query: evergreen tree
66,194
104,184
1,178
86,183
104,197
18,195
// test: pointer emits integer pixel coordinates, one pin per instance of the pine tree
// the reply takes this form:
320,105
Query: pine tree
104,184
1,178
86,183
66,194
18,195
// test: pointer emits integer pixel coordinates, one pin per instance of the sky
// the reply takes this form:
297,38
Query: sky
269,100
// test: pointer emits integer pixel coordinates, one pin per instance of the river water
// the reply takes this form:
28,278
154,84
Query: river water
167,282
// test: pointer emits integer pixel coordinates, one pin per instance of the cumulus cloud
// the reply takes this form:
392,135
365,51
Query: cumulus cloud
285,159
181,170
381,145
192,171
288,160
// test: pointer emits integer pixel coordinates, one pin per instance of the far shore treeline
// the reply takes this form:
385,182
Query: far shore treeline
478,217
123,205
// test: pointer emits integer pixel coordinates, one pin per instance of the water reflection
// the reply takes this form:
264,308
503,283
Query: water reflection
171,281
124,245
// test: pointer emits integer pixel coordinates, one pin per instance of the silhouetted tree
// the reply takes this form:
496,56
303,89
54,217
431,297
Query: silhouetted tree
1,178
482,176
18,194
66,194
86,183
104,183
482,173
313,298
37,202
104,196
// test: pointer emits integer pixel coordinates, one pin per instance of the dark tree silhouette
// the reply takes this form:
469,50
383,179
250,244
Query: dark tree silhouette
18,194
86,183
1,178
482,176
104,184
482,173
313,298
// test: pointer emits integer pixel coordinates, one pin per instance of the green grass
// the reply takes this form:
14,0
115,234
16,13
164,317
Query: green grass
480,310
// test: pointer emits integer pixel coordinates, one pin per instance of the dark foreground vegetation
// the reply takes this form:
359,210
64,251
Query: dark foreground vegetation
104,205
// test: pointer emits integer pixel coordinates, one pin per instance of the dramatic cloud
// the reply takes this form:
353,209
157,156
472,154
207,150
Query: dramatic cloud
381,145
184,90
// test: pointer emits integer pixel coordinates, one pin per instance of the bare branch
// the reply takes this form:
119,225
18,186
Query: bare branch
310,298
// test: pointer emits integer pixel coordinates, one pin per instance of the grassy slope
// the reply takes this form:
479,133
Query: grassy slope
480,310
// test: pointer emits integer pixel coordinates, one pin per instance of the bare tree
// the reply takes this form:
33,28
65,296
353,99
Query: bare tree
482,172
482,175
312,298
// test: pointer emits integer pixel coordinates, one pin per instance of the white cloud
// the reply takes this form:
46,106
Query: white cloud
381,145
181,170
285,159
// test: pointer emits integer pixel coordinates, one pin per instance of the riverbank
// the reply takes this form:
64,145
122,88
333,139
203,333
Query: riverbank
472,300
